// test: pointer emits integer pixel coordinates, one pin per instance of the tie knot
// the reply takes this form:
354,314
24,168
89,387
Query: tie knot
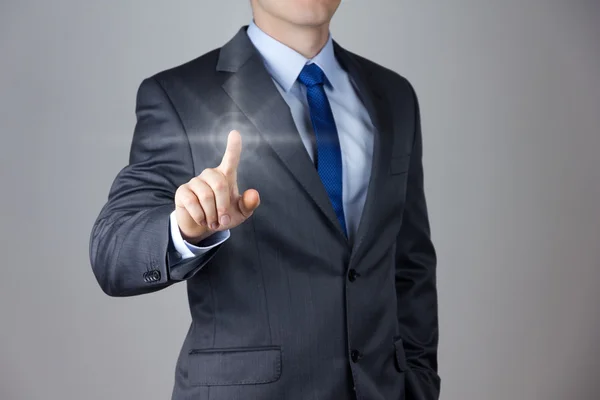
311,75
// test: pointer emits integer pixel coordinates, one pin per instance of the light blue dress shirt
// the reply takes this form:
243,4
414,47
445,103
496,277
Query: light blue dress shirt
355,130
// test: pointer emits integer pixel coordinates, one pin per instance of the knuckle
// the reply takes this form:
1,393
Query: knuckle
206,195
183,194
205,172
188,201
197,216
198,183
181,190
221,186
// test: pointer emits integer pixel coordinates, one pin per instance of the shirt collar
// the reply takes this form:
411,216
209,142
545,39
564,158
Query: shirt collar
285,64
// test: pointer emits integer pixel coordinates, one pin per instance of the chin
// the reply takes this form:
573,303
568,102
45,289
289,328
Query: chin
311,18
310,22
307,13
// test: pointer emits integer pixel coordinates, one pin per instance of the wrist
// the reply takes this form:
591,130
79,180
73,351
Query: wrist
196,239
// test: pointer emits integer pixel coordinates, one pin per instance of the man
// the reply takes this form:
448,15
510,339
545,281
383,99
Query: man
327,289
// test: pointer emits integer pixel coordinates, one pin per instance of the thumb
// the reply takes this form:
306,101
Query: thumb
249,202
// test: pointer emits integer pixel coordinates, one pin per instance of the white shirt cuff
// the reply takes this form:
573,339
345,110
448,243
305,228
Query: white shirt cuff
188,250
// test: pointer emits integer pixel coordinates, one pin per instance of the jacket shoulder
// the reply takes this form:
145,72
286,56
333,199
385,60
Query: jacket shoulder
198,69
379,73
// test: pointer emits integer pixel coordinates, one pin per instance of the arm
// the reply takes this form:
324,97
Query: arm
131,248
416,283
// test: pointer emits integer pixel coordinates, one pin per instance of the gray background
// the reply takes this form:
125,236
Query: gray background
510,97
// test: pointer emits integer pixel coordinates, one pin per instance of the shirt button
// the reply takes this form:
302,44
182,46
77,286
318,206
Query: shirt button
355,355
352,275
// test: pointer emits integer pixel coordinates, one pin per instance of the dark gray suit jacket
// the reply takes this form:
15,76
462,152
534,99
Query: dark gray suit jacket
287,308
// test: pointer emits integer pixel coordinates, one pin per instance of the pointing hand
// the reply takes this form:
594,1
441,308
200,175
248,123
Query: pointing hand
211,201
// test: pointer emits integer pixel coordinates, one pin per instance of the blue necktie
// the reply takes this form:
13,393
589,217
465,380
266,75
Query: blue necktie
329,154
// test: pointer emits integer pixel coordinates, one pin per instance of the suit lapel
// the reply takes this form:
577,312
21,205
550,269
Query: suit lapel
251,88
374,102
253,91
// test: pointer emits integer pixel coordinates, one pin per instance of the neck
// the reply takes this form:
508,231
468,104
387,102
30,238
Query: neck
306,40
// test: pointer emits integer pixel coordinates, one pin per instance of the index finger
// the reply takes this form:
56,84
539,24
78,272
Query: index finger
233,152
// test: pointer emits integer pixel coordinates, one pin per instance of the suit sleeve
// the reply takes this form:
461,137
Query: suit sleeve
416,282
131,249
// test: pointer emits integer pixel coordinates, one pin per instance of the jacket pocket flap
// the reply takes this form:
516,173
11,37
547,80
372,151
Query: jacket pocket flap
234,366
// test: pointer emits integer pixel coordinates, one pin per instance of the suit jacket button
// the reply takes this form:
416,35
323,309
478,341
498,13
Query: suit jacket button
355,355
352,275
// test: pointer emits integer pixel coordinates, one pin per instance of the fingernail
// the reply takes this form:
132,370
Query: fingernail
203,223
225,220
214,225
